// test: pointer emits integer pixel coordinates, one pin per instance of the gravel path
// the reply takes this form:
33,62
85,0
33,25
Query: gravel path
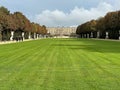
9,42
106,39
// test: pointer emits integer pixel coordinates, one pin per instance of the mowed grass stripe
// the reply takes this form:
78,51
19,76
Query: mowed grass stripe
99,69
60,64
82,65
29,59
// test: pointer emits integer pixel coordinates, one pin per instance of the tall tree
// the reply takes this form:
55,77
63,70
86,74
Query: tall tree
101,27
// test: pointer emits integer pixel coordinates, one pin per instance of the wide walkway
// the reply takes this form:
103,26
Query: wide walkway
9,42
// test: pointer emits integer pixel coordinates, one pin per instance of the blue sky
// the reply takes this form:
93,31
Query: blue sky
61,13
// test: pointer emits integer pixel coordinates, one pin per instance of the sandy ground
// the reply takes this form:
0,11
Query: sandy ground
9,42
106,39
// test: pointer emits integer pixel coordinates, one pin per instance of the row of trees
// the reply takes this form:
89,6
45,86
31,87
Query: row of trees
18,24
104,27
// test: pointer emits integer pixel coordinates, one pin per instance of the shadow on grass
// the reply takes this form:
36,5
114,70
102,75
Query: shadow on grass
91,48
95,48
73,39
89,45
68,45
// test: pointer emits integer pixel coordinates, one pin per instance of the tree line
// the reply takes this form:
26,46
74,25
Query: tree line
104,27
19,24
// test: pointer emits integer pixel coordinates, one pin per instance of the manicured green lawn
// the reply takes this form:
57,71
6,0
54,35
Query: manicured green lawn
60,64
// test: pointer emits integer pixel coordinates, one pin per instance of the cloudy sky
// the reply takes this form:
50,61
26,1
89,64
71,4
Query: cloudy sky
54,13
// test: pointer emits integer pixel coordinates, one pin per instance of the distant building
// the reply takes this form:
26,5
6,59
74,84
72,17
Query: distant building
61,31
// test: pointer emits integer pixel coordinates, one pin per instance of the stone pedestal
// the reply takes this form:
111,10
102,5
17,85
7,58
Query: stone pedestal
106,35
87,35
37,36
23,35
12,35
29,37
98,34
34,35
40,36
91,35
84,35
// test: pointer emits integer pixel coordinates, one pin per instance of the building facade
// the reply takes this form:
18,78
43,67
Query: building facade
61,31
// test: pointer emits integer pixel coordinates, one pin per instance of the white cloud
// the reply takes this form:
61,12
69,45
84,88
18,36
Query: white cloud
116,4
75,17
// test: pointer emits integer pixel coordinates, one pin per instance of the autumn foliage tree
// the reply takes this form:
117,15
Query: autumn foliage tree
18,23
110,23
87,28
112,26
